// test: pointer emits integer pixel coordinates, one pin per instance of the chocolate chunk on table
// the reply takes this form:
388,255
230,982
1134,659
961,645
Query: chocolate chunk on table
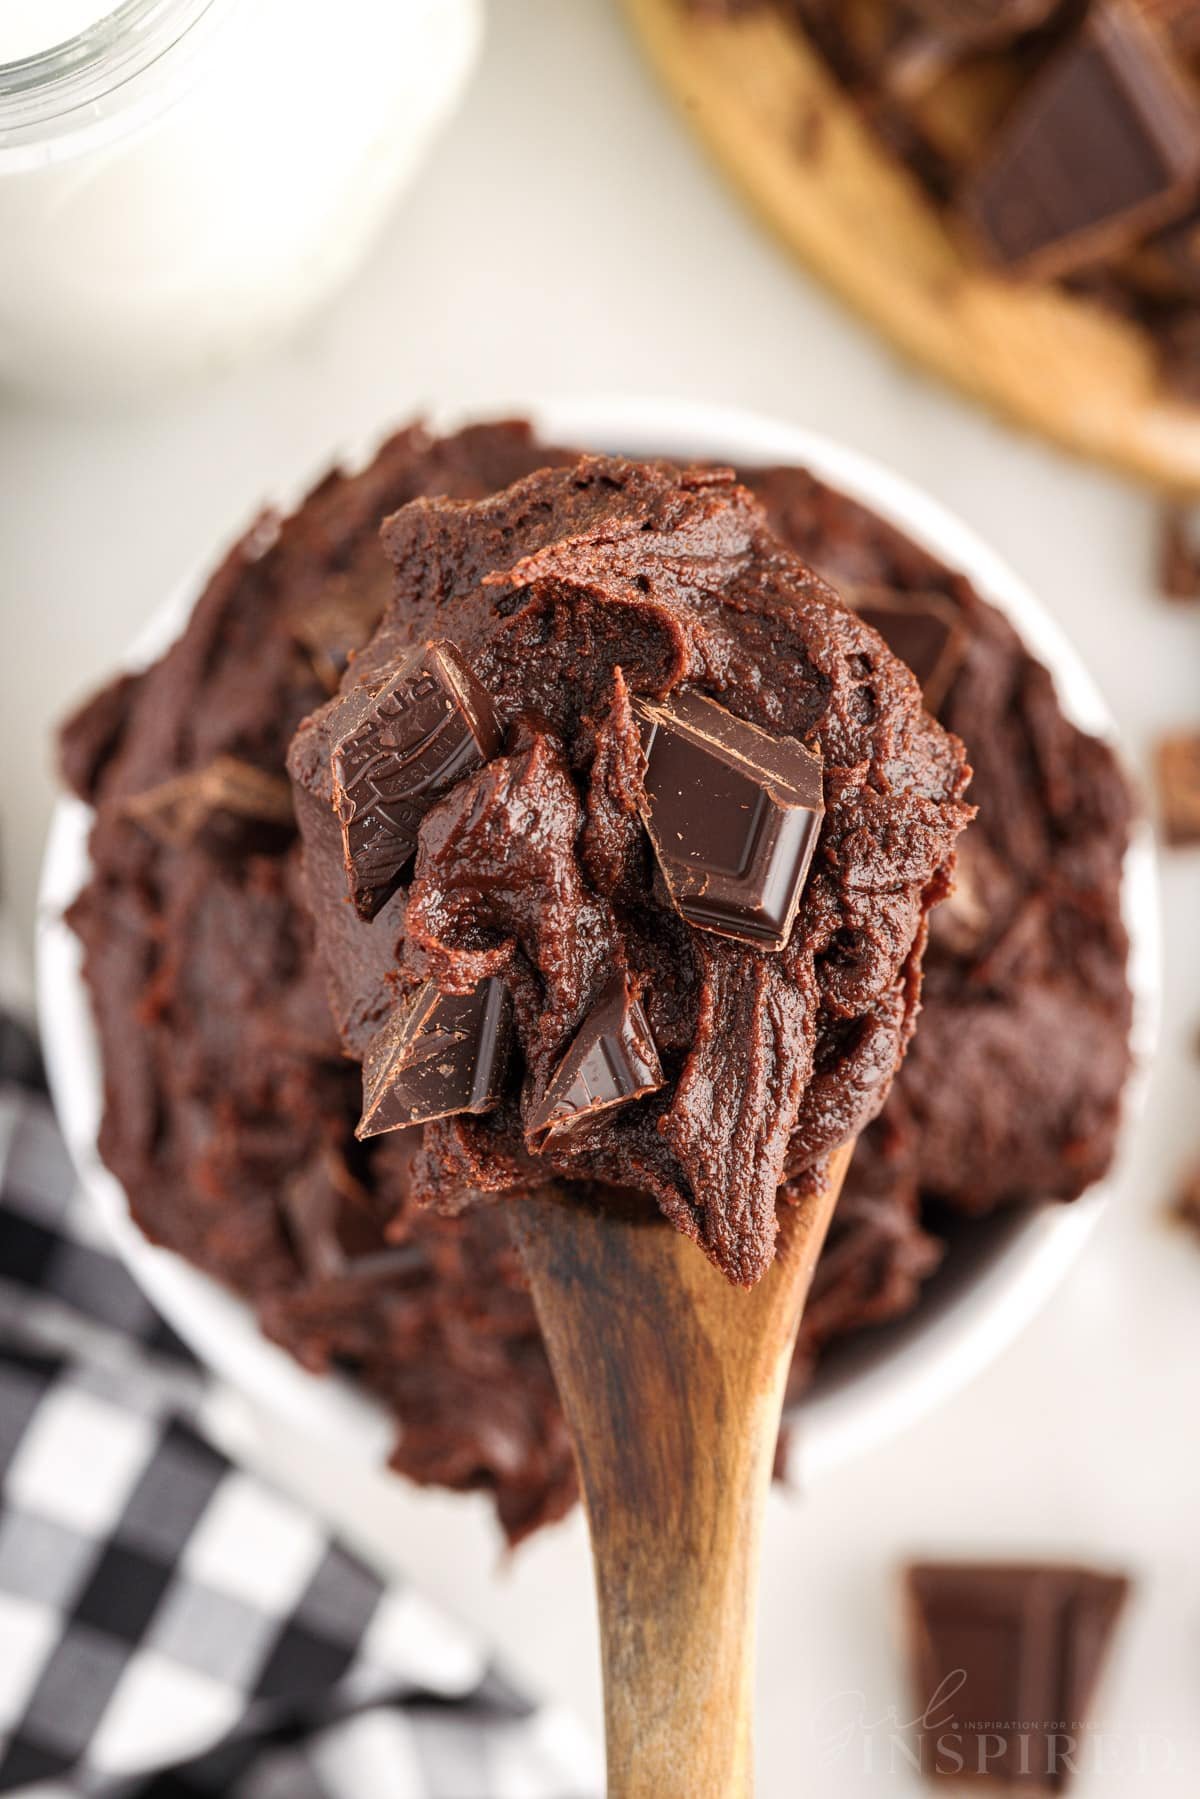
1187,1200
1104,146
925,630
611,1060
1005,1661
733,814
1179,787
394,749
1179,552
443,1053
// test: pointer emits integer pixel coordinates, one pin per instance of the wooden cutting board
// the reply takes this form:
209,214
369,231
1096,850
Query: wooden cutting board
776,122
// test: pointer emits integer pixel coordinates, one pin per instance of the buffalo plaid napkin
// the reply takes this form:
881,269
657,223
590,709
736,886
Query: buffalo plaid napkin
169,1625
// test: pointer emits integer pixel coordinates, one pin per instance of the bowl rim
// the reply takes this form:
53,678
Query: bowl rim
935,1356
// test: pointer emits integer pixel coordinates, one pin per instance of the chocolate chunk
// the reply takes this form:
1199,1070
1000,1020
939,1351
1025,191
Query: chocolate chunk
1179,553
933,35
924,629
1179,787
1005,1662
1105,145
611,1060
177,811
333,1226
396,748
1187,1200
444,1053
733,814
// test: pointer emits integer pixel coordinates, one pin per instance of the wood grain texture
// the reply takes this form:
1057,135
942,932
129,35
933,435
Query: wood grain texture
776,122
672,1383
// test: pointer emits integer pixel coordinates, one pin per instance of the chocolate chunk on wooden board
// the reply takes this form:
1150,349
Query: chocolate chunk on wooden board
1104,146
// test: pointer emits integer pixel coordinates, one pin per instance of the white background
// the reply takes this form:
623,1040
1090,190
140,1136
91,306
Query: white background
570,237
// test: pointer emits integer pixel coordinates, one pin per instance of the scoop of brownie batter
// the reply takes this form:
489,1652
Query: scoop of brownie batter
230,1109
649,785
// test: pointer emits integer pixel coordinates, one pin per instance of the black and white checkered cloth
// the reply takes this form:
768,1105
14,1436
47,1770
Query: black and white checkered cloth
171,1626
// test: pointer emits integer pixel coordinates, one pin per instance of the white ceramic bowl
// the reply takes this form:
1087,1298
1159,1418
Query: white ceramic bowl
999,1276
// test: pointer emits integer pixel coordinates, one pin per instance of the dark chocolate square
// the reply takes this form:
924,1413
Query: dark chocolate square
733,814
1104,145
1005,1660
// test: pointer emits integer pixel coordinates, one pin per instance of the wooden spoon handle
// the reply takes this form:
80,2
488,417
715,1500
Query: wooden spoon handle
672,1383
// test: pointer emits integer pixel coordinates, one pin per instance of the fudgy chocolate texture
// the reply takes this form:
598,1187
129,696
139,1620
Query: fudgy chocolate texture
574,595
225,1085
230,1110
1025,992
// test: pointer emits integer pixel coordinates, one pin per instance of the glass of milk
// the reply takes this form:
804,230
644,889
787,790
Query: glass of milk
183,181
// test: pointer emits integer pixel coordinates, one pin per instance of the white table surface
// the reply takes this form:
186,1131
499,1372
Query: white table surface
571,237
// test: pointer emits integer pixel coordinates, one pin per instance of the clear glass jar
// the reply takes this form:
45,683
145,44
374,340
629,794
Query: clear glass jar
185,180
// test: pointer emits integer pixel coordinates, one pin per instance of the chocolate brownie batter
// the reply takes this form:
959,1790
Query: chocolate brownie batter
608,647
1025,989
230,1110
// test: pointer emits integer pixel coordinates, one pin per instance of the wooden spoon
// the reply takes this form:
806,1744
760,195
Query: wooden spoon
672,1382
